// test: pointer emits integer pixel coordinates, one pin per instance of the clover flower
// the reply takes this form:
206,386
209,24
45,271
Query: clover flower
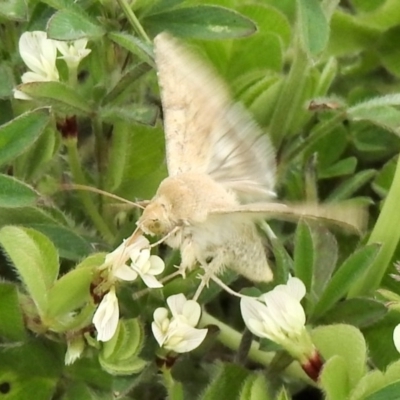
178,333
39,54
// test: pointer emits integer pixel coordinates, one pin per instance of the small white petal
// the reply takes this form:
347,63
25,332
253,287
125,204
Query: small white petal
125,273
106,317
191,338
191,311
396,337
156,265
158,334
150,281
142,261
160,314
176,303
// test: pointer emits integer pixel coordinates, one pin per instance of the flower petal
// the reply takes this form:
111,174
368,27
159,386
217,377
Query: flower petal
396,337
156,265
106,317
176,303
150,281
191,338
125,273
191,312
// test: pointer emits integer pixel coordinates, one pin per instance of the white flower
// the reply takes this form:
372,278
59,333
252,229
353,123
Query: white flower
39,54
117,260
147,266
396,337
178,333
279,316
142,263
73,52
106,317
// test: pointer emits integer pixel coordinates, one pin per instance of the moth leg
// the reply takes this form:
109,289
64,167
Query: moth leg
211,269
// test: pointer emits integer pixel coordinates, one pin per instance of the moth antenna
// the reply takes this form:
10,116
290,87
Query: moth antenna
74,186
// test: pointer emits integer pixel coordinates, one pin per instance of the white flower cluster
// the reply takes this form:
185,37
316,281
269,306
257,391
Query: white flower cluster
279,316
141,264
40,54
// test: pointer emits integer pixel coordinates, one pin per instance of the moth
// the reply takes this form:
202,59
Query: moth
221,173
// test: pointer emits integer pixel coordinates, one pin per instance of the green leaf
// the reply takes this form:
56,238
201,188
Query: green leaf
6,81
72,290
73,24
35,259
30,165
58,95
349,35
313,26
358,312
126,343
383,17
283,261
201,22
368,384
19,134
254,388
350,186
135,154
270,56
334,378
15,193
70,245
228,379
123,88
325,259
384,178
134,45
346,166
131,113
344,341
119,356
269,20
304,254
348,272
11,319
14,10
389,52
390,392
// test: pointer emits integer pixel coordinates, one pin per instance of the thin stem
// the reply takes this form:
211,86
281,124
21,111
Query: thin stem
77,173
387,232
101,149
130,15
232,339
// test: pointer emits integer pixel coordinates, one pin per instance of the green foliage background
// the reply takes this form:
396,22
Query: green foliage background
321,77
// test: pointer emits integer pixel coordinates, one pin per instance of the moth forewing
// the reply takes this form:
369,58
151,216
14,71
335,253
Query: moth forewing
204,131
348,217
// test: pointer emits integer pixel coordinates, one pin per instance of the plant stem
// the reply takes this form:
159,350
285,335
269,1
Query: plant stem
101,150
387,232
174,389
232,339
130,15
77,173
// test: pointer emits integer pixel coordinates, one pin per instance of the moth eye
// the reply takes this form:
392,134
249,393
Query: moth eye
209,259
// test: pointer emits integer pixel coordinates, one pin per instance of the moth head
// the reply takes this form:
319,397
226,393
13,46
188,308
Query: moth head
155,219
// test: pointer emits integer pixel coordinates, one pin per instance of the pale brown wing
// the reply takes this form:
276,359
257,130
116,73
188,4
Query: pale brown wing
349,217
204,132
